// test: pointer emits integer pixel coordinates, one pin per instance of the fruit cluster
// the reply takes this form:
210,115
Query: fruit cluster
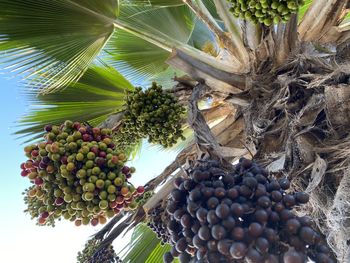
157,221
239,216
78,174
154,114
90,254
265,11
36,207
142,199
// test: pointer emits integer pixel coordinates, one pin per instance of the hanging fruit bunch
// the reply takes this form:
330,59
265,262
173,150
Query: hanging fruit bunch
265,11
105,254
154,114
77,174
142,199
238,216
157,221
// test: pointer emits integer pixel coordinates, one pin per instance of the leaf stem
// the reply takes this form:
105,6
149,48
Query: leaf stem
202,12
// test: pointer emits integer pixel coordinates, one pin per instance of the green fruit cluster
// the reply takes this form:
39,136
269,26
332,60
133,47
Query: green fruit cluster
142,199
265,11
90,254
154,114
36,206
77,174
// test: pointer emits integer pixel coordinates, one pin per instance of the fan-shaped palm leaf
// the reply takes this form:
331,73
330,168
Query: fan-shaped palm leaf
54,41
97,94
138,59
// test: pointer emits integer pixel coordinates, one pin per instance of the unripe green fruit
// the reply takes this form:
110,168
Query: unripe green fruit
109,213
58,212
90,208
65,173
90,156
118,181
103,204
85,221
107,183
93,179
68,124
100,183
111,197
82,182
76,197
72,212
111,176
102,146
102,176
81,173
72,146
50,208
43,152
96,170
80,205
89,164
77,135
111,189
79,157
85,150
88,196
103,195
66,215
96,210
42,173
67,190
70,166
89,187
58,193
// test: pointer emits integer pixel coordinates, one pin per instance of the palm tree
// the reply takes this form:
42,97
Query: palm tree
281,91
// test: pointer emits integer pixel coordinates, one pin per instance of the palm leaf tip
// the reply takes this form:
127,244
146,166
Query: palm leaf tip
53,42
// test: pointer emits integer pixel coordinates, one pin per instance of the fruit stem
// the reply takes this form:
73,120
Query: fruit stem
232,43
232,25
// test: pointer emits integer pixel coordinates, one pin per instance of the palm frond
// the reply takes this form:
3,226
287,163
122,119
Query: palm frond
97,94
303,9
138,59
143,242
162,3
144,247
157,254
52,42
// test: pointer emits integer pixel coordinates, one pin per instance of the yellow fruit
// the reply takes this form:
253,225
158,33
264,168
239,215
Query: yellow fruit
102,220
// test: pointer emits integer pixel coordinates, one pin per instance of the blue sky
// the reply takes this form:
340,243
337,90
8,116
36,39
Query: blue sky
21,240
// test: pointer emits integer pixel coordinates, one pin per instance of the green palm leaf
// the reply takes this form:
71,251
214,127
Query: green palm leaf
144,247
135,58
138,59
143,242
156,2
97,94
53,42
304,8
